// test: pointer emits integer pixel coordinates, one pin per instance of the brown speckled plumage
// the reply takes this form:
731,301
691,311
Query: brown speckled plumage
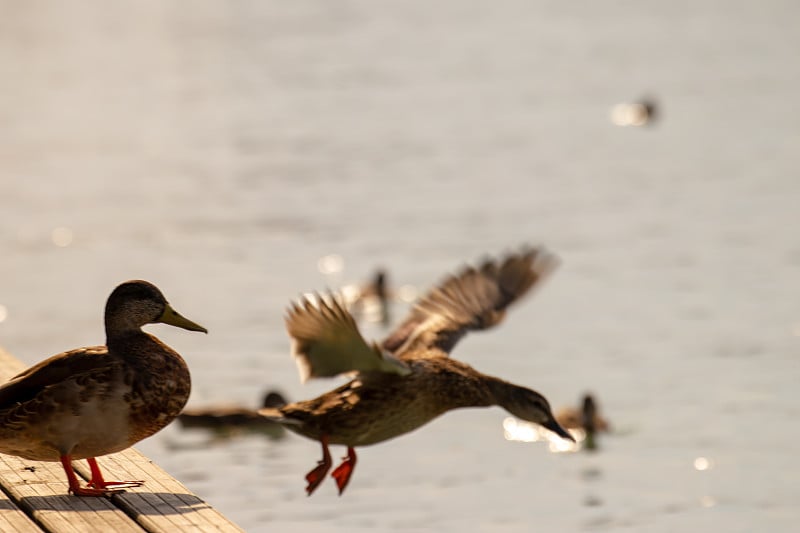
94,401
420,381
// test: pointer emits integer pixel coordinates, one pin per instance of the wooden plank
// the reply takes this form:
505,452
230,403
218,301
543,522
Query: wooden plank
162,504
39,489
12,518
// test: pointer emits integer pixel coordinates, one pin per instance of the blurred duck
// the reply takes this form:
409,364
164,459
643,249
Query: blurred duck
373,300
409,379
94,401
232,419
587,418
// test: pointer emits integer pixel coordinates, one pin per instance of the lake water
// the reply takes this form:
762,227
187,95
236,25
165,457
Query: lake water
219,149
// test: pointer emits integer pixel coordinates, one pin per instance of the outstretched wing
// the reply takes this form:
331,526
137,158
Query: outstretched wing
474,299
326,342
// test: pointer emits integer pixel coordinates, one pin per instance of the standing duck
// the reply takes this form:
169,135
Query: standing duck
409,379
93,401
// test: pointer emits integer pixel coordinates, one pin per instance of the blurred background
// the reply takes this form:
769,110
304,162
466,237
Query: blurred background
220,149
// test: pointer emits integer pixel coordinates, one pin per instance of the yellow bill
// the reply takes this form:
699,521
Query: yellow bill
173,318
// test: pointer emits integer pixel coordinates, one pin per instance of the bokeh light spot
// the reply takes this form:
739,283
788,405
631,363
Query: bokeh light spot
330,264
702,463
61,237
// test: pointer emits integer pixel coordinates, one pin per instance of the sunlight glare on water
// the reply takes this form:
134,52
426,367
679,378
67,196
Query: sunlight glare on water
708,501
330,264
702,463
521,431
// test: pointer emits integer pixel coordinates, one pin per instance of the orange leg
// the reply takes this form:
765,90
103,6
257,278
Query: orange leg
75,485
98,482
316,476
343,472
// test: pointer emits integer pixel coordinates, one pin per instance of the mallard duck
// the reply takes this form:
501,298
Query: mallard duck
371,299
224,418
89,402
408,379
587,417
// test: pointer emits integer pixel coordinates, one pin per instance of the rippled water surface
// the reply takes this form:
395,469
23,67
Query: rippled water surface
219,149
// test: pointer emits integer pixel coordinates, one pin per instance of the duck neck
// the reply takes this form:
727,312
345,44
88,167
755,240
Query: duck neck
503,393
118,325
117,333
515,399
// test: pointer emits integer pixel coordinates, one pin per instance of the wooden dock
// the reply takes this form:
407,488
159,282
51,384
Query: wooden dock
33,495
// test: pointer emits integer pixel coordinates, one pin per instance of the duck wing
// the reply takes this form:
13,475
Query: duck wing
326,342
57,369
474,299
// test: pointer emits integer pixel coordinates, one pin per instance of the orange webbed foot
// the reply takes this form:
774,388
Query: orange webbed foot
316,476
97,481
97,487
118,486
343,472
87,491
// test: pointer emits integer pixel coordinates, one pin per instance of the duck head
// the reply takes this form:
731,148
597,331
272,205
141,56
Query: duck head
528,405
136,303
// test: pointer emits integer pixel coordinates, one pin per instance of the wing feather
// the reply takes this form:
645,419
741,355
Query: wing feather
326,342
29,383
473,299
